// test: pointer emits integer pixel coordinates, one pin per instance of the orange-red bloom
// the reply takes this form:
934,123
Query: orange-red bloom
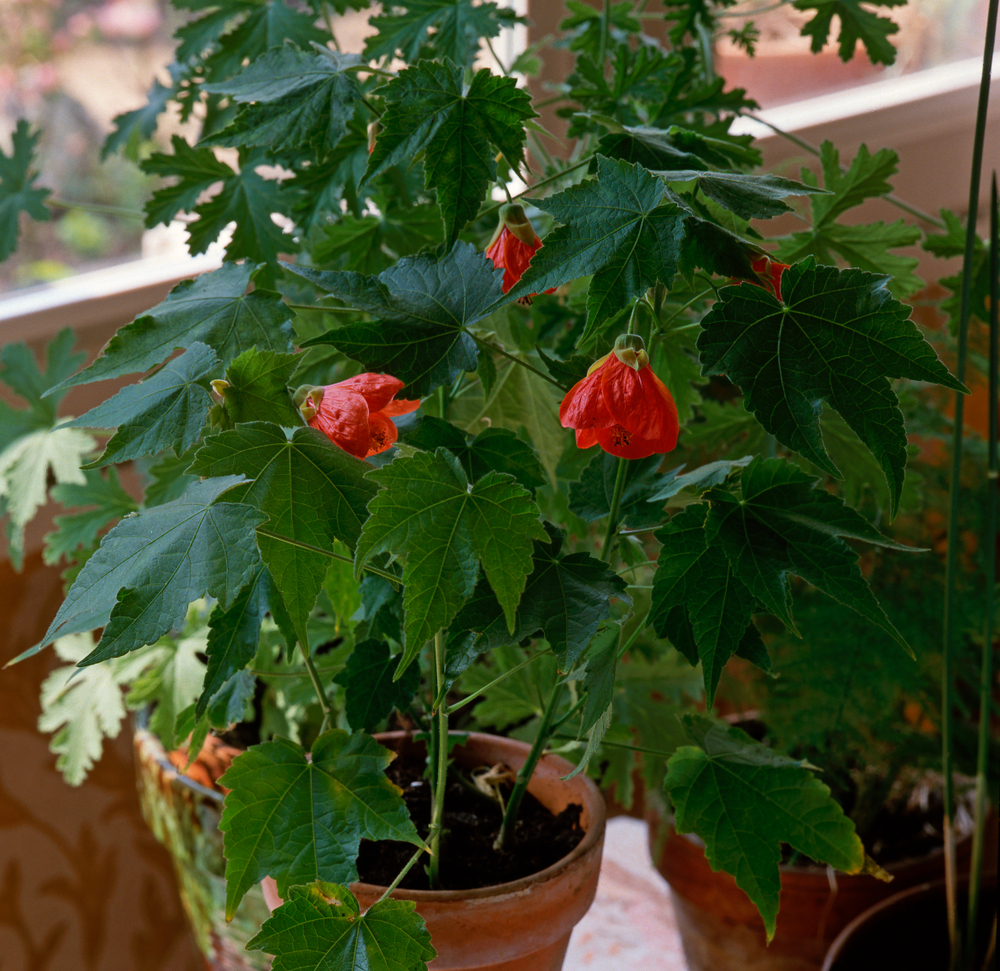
621,405
356,414
768,274
513,245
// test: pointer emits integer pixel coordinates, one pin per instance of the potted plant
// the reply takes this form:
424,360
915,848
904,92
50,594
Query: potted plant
372,431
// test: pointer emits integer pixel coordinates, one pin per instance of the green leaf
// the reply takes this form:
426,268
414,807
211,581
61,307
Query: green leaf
591,497
519,697
783,523
17,190
301,820
866,178
290,98
697,594
837,336
451,29
322,927
699,479
427,513
664,150
743,800
615,227
132,128
311,493
19,371
566,597
372,689
856,23
258,388
167,410
152,565
214,309
457,128
749,196
422,308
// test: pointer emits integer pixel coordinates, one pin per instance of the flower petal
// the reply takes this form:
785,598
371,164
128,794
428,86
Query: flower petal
377,389
343,418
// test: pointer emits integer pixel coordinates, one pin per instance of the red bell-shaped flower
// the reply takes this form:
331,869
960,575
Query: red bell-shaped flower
356,414
768,274
621,405
513,245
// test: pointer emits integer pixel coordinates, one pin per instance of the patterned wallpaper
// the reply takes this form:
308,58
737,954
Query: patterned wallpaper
84,886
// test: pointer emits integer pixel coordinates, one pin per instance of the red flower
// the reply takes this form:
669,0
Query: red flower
768,273
356,414
621,405
513,245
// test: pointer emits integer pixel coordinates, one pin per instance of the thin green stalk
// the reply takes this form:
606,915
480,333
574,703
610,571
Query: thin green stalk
616,503
602,47
298,544
322,309
517,360
440,733
503,70
486,687
96,207
951,559
537,185
402,873
502,842
986,673
324,702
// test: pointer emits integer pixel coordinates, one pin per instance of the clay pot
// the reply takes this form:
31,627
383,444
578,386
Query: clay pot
910,930
524,925
183,815
721,929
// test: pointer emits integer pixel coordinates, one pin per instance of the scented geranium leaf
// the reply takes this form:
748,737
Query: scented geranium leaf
234,635
744,800
451,29
591,497
321,927
257,388
867,177
291,98
457,128
19,371
697,596
152,565
371,688
837,336
18,192
311,492
749,196
167,410
214,309
102,499
427,513
856,23
566,597
616,227
585,26
133,128
782,523
300,820
421,309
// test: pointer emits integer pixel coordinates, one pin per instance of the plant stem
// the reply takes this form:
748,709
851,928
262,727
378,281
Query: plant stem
616,502
440,736
324,703
96,207
402,873
517,360
298,544
502,842
536,185
486,687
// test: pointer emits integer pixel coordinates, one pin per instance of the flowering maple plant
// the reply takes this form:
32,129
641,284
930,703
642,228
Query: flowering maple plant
385,481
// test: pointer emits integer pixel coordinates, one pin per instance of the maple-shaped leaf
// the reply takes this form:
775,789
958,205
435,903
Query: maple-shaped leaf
19,371
311,492
457,128
698,601
301,819
18,192
836,336
167,410
450,29
152,565
667,149
290,98
566,597
614,226
749,196
421,309
856,24
257,388
744,800
372,691
427,513
214,309
101,500
321,927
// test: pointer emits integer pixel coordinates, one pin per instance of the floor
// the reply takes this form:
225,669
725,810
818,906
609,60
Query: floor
631,922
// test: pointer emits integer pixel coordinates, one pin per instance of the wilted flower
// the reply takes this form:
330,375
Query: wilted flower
356,414
621,405
513,245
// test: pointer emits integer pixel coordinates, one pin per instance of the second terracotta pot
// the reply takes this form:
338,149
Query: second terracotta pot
524,925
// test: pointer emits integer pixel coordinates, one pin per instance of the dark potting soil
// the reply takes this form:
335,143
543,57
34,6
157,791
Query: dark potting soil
471,823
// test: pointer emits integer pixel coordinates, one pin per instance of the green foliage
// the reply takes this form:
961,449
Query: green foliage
856,24
18,192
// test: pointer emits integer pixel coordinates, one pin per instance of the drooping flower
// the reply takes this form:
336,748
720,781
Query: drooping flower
621,405
768,274
356,414
513,245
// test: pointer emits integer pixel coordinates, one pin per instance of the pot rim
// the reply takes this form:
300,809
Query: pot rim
592,838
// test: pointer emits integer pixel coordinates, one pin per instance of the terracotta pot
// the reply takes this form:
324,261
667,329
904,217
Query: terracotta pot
910,930
524,925
184,816
721,929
